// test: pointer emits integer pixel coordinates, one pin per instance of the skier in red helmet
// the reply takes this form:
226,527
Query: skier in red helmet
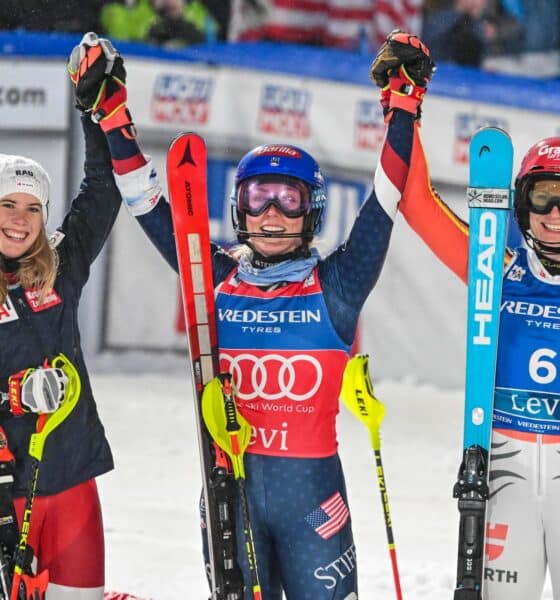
523,529
537,193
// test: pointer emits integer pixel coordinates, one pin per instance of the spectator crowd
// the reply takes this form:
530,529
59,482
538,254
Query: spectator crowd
460,31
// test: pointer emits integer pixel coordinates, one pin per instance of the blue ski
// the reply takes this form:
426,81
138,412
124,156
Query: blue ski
489,198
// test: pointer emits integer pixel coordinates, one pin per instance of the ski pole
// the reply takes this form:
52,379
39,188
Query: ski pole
24,584
232,433
358,396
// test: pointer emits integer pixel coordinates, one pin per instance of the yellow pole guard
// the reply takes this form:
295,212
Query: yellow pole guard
53,420
214,416
358,396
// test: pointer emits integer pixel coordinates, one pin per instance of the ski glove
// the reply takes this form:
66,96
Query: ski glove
97,70
402,69
39,390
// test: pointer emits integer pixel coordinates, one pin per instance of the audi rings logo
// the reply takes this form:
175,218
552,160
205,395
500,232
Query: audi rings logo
273,376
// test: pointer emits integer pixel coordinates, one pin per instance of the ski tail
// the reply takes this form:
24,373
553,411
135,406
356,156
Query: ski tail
489,198
232,432
187,184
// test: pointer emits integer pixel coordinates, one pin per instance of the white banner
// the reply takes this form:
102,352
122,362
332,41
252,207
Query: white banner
340,124
33,95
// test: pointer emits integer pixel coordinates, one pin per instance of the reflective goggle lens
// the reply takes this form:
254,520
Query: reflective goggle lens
291,196
544,196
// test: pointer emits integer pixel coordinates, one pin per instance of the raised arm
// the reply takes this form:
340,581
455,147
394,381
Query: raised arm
350,273
428,215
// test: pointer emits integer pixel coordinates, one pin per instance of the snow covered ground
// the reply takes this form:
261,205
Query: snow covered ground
150,499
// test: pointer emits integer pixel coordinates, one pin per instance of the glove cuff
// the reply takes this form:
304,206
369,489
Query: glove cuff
405,94
385,98
119,118
140,189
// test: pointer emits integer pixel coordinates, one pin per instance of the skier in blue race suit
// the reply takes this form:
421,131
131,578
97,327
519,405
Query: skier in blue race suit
287,319
523,528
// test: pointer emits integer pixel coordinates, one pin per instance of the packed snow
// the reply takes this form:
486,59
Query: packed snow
150,499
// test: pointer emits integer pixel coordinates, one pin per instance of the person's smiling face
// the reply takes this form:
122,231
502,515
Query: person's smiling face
546,226
21,220
272,195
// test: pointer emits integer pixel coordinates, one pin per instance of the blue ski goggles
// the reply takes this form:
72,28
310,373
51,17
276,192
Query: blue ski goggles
544,196
291,196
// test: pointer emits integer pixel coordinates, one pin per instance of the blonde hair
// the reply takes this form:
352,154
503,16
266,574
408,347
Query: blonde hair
37,269
239,250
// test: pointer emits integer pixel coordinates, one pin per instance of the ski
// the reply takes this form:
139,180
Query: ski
489,199
186,179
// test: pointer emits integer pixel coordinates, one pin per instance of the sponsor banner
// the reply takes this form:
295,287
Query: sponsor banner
33,95
448,125
369,125
340,124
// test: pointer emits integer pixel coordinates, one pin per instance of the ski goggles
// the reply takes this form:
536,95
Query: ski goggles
543,196
291,196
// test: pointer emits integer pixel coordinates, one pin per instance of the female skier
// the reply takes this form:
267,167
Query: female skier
41,280
283,309
523,529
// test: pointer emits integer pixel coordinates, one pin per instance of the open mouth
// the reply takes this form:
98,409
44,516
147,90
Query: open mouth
552,227
272,229
15,236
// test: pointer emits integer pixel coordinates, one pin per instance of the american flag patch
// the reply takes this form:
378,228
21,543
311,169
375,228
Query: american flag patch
330,517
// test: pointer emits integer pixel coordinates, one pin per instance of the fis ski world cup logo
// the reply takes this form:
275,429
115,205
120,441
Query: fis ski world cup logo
465,126
181,99
284,111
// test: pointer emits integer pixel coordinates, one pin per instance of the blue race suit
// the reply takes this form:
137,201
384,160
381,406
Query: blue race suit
291,361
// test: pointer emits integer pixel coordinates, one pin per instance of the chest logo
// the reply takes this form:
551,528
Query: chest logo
516,273
33,300
8,312
274,377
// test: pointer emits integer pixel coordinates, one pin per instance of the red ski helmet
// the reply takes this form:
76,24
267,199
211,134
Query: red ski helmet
542,161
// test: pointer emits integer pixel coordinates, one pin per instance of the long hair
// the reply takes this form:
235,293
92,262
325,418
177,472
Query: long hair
37,269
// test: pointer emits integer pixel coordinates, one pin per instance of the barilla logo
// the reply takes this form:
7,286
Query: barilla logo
466,124
284,110
552,152
276,150
484,279
369,126
181,99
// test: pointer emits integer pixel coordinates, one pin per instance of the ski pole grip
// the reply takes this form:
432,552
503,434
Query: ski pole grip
232,423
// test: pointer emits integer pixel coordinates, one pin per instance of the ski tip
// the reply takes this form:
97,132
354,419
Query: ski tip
187,151
185,137
491,140
491,158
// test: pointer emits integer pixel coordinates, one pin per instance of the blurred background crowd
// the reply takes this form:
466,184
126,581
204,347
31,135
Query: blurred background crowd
467,32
